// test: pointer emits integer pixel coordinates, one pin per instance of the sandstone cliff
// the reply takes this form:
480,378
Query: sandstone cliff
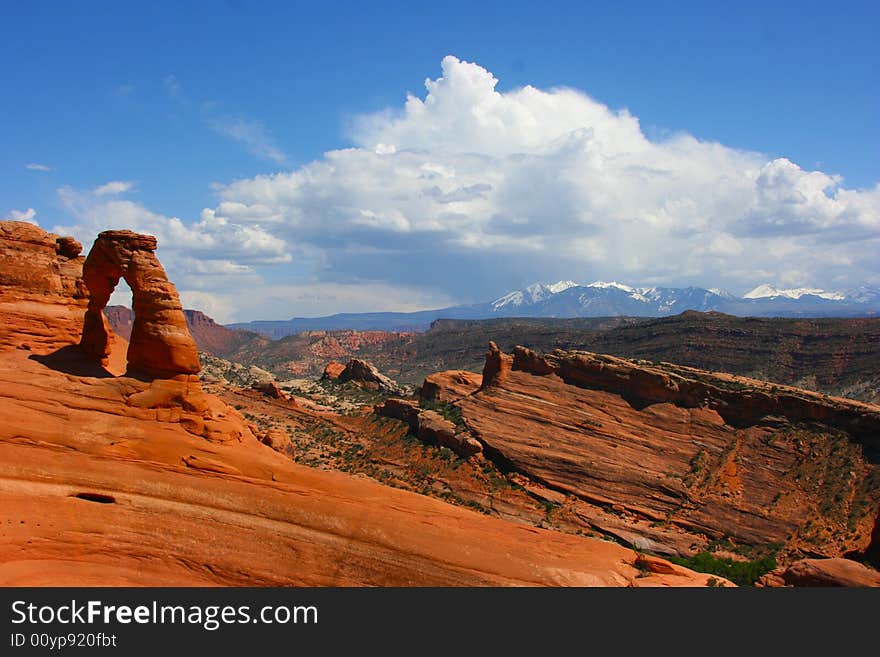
42,295
678,458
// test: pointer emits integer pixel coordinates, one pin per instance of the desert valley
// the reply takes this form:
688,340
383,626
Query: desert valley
153,446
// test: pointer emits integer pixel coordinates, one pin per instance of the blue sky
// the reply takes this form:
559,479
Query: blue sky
176,102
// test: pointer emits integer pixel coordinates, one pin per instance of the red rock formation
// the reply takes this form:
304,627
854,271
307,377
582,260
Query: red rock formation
333,370
366,375
277,439
497,367
120,481
188,511
161,345
430,426
739,400
446,387
270,389
707,455
42,296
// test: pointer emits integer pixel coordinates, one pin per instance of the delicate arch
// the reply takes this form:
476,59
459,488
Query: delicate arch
161,344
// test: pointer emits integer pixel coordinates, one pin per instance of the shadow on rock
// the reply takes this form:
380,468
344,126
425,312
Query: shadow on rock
72,360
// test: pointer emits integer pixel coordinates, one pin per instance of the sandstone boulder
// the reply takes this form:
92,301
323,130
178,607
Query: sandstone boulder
270,389
277,439
447,387
823,572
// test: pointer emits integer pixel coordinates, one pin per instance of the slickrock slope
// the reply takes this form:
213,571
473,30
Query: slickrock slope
42,295
96,491
150,481
672,449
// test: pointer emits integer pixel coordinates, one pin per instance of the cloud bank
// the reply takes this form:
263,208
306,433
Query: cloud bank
467,192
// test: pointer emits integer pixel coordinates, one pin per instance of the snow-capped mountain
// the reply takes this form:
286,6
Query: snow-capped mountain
604,299
601,298
570,299
532,294
767,291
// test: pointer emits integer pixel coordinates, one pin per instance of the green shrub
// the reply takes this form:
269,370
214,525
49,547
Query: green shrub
741,573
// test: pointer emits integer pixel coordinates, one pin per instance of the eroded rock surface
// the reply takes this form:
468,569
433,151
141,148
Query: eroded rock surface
160,345
42,295
669,448
823,572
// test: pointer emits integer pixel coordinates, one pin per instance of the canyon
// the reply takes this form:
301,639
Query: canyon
119,467
127,458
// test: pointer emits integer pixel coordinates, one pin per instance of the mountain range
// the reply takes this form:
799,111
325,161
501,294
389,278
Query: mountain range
600,299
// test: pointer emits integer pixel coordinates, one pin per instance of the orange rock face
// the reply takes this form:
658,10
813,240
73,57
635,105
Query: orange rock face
498,365
708,455
333,370
161,345
446,387
42,295
823,572
95,490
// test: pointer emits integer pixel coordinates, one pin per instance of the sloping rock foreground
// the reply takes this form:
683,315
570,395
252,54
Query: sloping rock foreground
680,456
148,480
94,491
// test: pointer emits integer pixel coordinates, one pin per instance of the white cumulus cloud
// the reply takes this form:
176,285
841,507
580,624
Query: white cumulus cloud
472,191
466,192
113,188
22,215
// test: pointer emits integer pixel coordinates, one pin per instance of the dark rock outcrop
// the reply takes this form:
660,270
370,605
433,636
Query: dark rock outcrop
430,426
366,375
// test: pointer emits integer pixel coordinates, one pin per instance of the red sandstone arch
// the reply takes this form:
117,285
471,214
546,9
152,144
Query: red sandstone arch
161,345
